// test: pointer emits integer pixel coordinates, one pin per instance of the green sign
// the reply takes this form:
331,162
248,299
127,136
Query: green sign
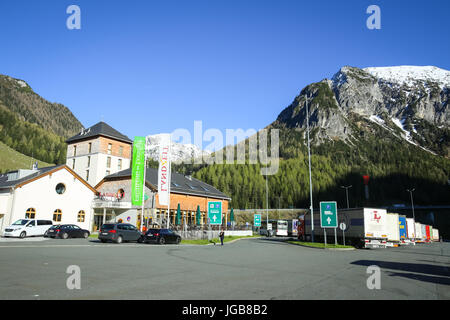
328,215
215,212
257,220
137,175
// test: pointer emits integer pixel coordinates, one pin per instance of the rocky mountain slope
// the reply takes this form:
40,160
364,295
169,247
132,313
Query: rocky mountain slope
408,102
17,96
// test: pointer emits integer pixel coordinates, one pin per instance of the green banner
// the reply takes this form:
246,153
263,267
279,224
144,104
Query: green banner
137,175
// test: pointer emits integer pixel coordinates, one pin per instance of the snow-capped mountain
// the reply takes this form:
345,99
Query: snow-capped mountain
410,75
179,153
408,102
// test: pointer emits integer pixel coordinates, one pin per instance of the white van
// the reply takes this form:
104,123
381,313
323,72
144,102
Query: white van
27,227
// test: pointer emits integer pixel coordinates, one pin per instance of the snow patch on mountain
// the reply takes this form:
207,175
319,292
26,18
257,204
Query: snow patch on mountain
410,75
179,152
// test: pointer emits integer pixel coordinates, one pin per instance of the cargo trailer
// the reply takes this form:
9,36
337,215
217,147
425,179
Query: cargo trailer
419,234
402,228
411,231
435,235
392,229
428,233
365,227
424,232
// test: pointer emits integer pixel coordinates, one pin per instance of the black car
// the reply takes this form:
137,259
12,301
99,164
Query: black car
161,236
119,232
65,231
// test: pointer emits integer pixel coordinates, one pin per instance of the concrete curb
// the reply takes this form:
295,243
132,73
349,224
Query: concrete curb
228,242
332,249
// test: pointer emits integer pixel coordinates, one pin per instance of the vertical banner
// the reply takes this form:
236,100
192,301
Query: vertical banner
164,170
137,175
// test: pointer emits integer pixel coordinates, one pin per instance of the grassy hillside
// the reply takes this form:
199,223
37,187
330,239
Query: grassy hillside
12,160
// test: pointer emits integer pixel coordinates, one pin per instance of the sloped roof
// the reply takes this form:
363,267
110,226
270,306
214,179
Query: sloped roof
179,183
41,172
99,129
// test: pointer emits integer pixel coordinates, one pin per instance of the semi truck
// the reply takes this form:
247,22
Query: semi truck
411,231
419,234
365,227
392,229
435,235
403,229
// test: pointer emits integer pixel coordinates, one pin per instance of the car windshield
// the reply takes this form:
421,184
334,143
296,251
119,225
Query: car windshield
153,231
108,226
55,226
20,222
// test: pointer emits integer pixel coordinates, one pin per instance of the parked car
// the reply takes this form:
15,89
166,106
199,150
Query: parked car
65,231
27,227
161,236
119,232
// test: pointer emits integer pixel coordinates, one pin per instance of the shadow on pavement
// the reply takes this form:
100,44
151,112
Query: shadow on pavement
429,271
420,277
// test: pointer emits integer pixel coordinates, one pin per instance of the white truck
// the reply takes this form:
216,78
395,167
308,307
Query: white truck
392,229
419,236
365,227
435,235
410,229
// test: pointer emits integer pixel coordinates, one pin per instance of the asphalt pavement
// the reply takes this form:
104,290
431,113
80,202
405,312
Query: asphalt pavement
261,269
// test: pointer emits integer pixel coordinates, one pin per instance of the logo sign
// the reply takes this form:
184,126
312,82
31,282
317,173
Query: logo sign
376,217
257,220
215,212
137,174
164,170
328,215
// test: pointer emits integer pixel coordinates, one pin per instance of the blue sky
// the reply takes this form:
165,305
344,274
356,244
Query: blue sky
148,67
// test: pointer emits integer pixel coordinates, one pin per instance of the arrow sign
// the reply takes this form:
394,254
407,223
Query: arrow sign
328,214
215,212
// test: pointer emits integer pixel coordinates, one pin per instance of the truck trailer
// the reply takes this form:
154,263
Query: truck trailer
392,229
365,227
411,230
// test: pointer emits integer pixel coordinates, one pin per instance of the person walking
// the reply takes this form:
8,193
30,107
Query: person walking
221,236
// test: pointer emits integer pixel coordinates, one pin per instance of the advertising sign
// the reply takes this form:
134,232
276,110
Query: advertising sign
137,173
164,170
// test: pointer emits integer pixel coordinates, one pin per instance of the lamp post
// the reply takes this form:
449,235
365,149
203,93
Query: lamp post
310,179
346,193
412,206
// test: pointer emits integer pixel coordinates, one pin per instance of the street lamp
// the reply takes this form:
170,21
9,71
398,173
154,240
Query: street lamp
412,206
310,179
346,192
412,203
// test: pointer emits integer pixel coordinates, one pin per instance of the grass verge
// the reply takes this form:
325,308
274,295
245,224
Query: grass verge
320,245
216,240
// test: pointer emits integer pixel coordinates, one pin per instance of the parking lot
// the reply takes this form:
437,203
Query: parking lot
260,268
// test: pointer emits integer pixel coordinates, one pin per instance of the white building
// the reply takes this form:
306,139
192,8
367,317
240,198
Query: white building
53,193
97,152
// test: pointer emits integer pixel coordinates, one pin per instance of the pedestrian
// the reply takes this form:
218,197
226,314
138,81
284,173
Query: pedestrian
221,236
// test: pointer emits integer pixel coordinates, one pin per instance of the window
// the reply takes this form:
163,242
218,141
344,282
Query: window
89,161
109,148
87,175
108,172
121,151
60,188
108,162
74,151
73,164
119,166
30,214
57,215
90,147
81,216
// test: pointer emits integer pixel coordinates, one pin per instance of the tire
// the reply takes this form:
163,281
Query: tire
23,234
64,235
162,240
178,240
86,235
119,239
140,240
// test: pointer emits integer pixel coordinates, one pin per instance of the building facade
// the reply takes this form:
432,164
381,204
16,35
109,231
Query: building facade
52,193
97,152
113,203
